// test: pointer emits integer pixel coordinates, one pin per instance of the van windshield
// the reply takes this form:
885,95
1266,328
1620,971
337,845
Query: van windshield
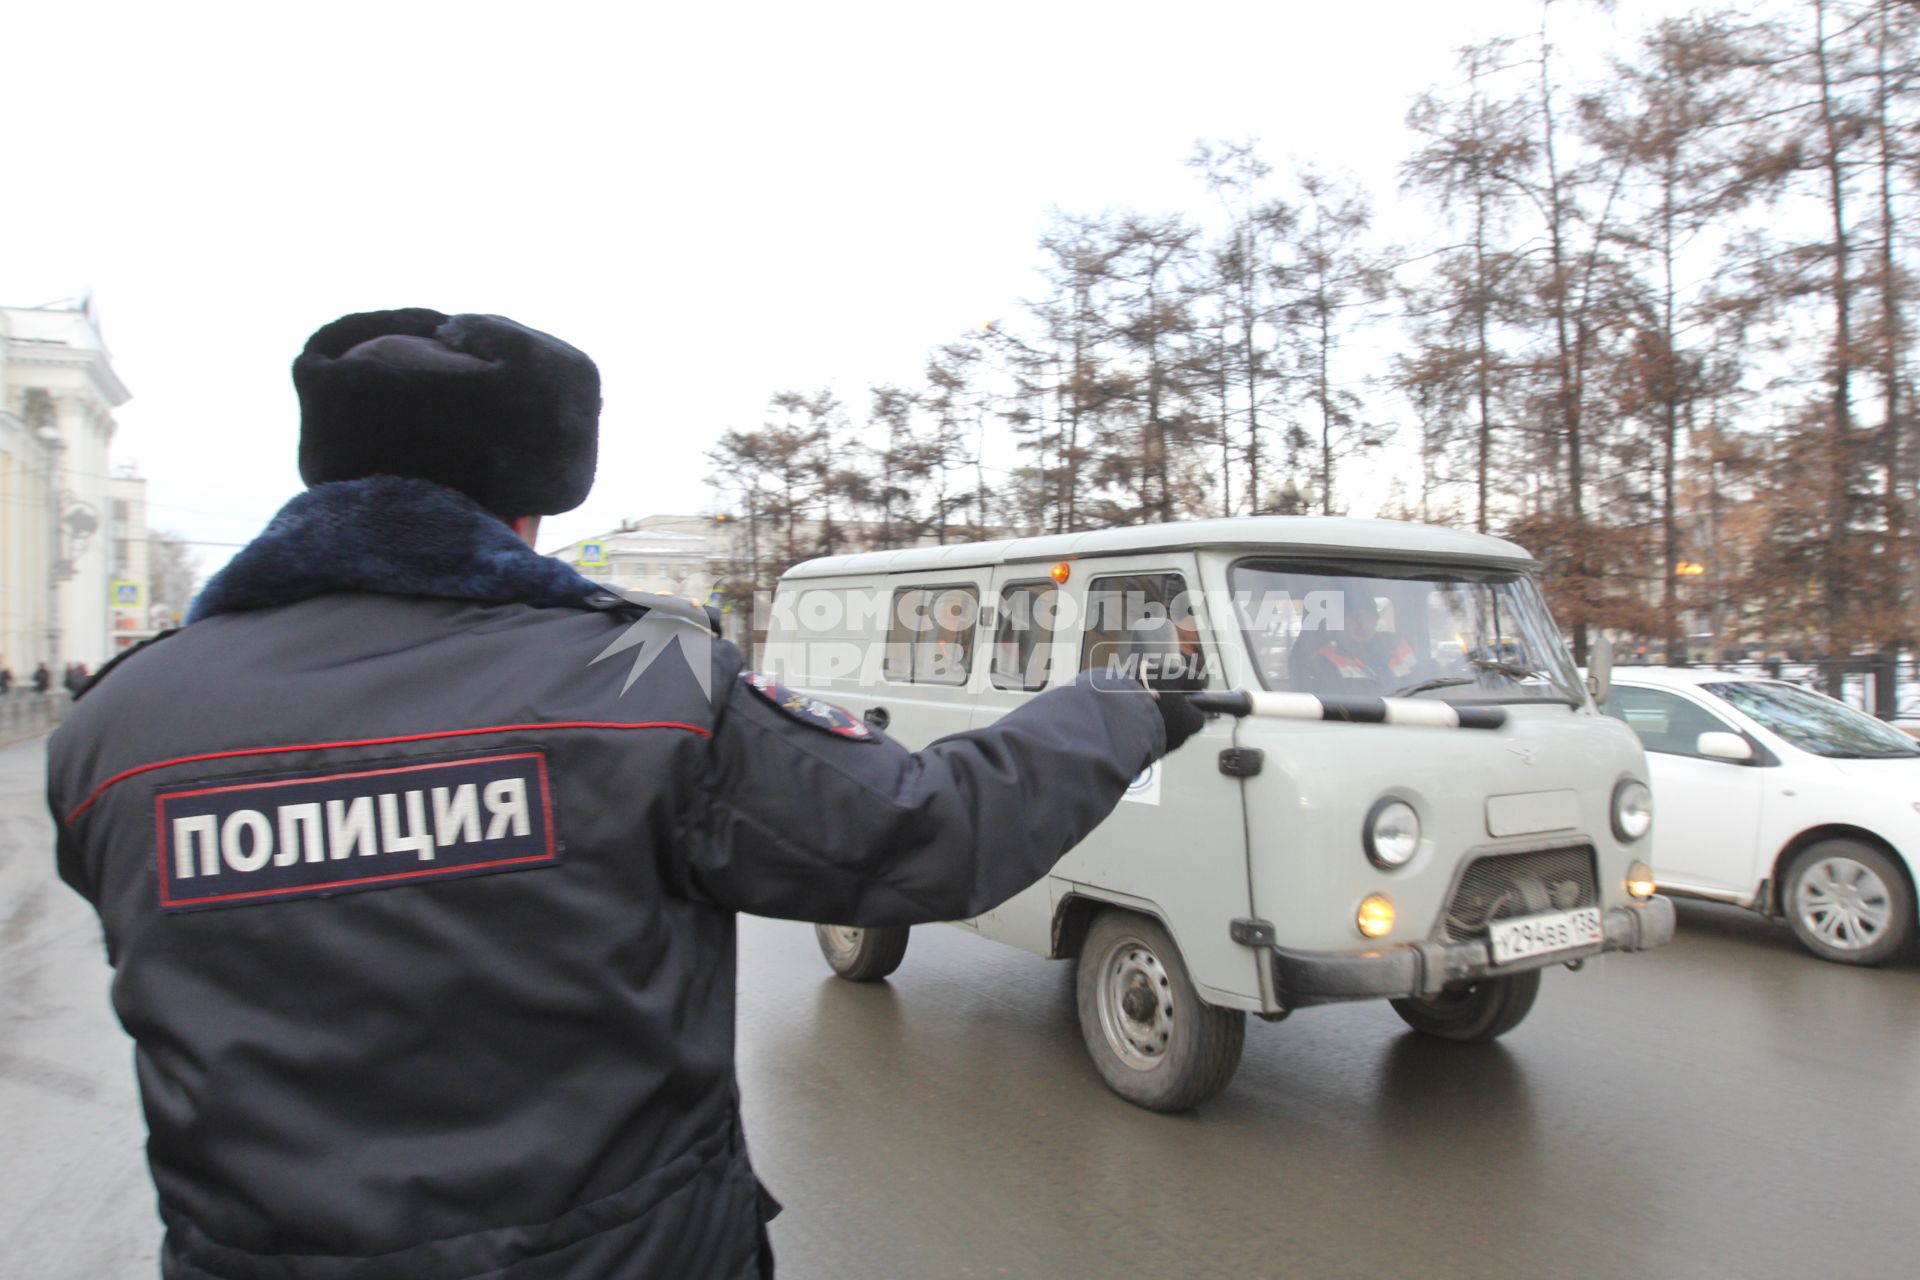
1378,630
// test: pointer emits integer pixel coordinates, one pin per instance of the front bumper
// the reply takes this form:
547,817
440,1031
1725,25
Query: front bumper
1302,978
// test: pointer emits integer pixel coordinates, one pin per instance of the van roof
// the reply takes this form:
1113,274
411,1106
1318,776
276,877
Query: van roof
1321,535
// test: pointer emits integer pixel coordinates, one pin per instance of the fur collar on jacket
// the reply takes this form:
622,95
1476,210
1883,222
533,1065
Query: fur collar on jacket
389,535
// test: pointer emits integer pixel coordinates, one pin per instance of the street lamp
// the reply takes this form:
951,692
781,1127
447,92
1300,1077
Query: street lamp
81,521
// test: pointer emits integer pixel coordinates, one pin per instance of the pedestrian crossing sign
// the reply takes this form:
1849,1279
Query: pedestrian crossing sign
593,553
126,594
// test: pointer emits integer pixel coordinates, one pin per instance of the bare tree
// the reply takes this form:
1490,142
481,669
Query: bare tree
1065,374
895,487
1336,282
1671,122
1152,270
1243,273
173,571
1459,315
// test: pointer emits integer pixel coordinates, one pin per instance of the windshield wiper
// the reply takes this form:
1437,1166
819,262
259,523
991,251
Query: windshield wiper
1512,670
1441,682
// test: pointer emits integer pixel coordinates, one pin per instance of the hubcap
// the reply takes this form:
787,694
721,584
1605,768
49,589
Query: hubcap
842,939
1136,1004
1843,903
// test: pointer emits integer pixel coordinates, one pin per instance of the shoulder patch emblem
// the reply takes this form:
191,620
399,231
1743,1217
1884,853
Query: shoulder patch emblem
810,711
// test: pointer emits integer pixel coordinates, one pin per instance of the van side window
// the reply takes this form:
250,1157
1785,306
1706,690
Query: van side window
1023,642
930,637
1139,623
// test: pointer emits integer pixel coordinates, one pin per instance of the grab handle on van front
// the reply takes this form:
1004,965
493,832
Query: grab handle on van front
1306,706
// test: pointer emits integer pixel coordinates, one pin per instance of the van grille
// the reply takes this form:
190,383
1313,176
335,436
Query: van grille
1500,886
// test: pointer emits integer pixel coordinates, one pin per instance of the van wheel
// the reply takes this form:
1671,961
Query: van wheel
1153,1040
861,955
1474,1014
1848,902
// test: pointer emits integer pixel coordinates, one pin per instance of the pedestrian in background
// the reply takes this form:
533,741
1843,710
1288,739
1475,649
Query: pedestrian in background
6,680
42,678
423,919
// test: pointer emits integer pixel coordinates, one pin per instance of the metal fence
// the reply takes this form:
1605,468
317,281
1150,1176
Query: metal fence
25,714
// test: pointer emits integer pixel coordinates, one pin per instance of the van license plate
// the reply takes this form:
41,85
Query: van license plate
1536,935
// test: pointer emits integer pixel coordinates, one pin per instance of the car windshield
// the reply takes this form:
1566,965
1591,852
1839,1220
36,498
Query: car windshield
1814,722
1464,634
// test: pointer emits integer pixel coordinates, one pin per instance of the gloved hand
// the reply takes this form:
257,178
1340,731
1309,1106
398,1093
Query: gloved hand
1180,716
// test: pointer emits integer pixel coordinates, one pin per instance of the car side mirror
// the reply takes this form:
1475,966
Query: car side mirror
1724,746
1600,670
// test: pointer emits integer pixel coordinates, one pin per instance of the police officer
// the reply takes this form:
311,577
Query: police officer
423,920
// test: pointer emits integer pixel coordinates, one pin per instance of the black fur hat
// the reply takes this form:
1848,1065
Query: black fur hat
507,415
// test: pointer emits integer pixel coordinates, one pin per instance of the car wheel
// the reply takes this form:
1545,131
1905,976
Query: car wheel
1474,1013
1151,1037
861,955
1848,902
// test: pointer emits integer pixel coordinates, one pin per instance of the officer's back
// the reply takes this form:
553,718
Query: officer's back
423,918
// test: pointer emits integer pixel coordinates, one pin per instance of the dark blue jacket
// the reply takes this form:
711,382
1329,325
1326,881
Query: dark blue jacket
424,929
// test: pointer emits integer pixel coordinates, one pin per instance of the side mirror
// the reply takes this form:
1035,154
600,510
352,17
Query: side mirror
1600,670
1724,746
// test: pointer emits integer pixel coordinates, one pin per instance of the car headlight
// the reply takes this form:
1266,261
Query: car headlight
1632,809
1392,833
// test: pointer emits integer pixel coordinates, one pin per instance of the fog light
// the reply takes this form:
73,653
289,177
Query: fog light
1375,917
1640,880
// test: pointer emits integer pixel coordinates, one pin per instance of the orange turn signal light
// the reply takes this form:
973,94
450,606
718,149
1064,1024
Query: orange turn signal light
1060,573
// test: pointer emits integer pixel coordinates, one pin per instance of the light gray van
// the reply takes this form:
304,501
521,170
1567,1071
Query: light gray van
1405,791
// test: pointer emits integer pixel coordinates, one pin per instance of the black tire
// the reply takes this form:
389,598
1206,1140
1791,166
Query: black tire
1176,1054
1475,1013
861,955
1848,902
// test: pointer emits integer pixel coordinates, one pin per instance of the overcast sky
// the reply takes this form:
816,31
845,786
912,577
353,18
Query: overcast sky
714,203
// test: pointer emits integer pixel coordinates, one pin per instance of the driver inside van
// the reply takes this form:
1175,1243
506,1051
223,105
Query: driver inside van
1352,655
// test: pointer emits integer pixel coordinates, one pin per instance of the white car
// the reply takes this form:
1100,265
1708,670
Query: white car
1782,800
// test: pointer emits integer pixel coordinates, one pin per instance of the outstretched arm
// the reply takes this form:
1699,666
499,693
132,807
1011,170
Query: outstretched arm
810,824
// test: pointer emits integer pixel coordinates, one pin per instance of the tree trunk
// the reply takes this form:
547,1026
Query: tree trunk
1892,347
1837,572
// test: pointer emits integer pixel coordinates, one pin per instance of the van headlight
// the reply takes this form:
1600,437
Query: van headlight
1392,834
1632,809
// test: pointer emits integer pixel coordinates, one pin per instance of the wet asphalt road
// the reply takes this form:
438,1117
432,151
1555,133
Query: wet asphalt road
1728,1107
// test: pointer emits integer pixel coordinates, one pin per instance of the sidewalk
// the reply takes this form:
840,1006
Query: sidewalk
75,1200
25,714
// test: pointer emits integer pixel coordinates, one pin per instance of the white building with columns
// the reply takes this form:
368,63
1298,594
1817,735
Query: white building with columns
70,577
